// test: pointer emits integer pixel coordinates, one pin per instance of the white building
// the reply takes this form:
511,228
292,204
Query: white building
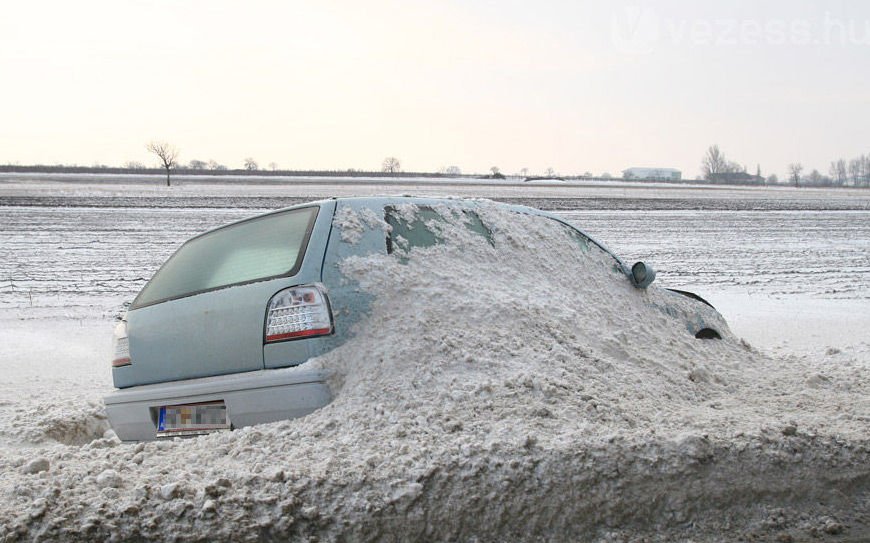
655,174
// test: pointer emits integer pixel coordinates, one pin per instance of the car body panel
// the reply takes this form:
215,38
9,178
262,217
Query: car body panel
693,311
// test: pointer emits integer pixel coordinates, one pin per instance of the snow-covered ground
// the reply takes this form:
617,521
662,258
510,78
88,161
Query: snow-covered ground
14,186
484,427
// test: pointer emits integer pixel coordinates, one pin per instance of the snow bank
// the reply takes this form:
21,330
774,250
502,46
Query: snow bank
529,393
54,376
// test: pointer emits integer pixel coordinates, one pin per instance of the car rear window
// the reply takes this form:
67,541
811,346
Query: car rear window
253,250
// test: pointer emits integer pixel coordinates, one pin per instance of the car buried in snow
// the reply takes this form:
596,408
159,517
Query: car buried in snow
217,339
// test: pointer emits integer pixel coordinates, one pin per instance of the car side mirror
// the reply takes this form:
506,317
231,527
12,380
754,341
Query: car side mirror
642,275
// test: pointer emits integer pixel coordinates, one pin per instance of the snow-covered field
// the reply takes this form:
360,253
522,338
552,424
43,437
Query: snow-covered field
587,430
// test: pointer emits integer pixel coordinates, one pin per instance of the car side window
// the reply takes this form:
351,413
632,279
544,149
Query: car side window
417,226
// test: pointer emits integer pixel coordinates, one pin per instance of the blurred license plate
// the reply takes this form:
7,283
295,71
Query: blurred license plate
192,419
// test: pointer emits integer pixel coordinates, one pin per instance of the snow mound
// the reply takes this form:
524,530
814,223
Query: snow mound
508,386
533,320
69,422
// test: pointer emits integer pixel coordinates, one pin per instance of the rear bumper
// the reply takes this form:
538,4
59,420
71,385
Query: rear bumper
251,398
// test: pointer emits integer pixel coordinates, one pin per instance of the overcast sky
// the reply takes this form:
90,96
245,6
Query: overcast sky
577,86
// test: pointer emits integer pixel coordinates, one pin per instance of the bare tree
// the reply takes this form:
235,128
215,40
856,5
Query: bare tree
842,172
391,164
794,172
134,165
197,164
772,179
714,162
839,173
816,179
494,170
452,170
863,177
855,168
166,153
550,172
859,171
524,172
251,165
214,165
273,166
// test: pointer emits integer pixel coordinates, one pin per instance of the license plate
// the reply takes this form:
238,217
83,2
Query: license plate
192,419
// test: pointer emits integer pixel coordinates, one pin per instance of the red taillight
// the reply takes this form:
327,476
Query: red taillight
300,333
298,312
118,362
122,346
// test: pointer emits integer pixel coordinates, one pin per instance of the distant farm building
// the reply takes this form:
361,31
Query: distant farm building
653,174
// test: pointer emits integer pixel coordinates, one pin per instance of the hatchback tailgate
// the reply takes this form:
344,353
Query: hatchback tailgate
203,312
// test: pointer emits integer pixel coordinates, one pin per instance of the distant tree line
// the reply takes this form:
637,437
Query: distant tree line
715,168
841,173
136,168
855,172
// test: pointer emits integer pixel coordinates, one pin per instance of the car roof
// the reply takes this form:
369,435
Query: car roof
384,200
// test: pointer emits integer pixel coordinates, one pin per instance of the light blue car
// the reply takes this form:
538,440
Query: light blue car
217,338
